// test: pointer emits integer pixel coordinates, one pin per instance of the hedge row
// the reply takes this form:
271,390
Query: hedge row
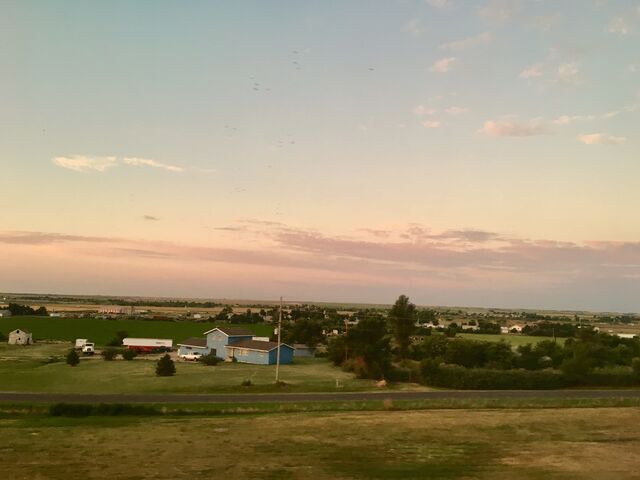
453,376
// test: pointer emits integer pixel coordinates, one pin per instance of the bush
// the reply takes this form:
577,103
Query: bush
109,354
452,376
209,359
72,358
128,354
165,367
246,383
635,367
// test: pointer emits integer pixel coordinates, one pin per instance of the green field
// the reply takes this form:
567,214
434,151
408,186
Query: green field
588,443
513,339
24,369
102,331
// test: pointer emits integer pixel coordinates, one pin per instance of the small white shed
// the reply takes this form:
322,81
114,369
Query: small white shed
20,337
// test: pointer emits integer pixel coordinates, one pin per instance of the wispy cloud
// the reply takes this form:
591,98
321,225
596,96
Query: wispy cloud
150,218
511,126
145,162
500,11
422,110
569,119
534,71
85,163
618,25
431,124
567,73
441,4
415,27
601,139
467,43
444,65
454,110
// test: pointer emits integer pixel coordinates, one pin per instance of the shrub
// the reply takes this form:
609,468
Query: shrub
109,354
246,383
165,367
72,358
129,354
209,359
453,376
635,367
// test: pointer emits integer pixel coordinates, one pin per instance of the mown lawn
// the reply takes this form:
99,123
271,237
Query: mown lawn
443,444
25,369
102,331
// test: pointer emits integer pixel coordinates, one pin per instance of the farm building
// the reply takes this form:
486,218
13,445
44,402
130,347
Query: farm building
258,352
302,350
146,345
239,343
20,337
219,338
194,345
5,313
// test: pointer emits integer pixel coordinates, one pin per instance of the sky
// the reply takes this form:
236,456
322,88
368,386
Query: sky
464,153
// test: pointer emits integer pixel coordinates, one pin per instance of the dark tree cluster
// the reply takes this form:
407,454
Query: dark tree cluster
17,309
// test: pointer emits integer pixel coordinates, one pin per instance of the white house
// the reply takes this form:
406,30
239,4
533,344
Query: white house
5,313
20,337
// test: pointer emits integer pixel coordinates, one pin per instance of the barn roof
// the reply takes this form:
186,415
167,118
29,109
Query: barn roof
233,331
194,342
18,330
259,345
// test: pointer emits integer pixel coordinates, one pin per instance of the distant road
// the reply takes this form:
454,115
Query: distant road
312,397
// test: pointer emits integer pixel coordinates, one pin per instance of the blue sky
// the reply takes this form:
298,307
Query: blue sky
311,133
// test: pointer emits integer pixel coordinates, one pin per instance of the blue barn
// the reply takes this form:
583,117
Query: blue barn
259,352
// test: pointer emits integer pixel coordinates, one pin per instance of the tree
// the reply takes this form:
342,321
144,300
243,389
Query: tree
117,340
304,330
368,344
165,367
72,358
402,316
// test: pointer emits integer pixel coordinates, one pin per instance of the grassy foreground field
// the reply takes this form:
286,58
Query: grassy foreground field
24,369
481,444
102,331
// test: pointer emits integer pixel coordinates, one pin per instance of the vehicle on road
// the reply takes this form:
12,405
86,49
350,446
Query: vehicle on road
89,348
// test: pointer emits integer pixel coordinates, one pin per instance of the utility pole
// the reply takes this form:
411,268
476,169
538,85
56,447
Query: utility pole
278,351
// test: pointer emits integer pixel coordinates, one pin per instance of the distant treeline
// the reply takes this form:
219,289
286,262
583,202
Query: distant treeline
122,301
17,309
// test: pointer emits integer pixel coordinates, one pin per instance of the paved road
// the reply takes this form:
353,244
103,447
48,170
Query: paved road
313,397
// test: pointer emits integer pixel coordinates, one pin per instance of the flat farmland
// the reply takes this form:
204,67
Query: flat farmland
587,443
27,369
102,331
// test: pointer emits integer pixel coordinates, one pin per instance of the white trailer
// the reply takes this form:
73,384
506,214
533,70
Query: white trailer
80,343
147,344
